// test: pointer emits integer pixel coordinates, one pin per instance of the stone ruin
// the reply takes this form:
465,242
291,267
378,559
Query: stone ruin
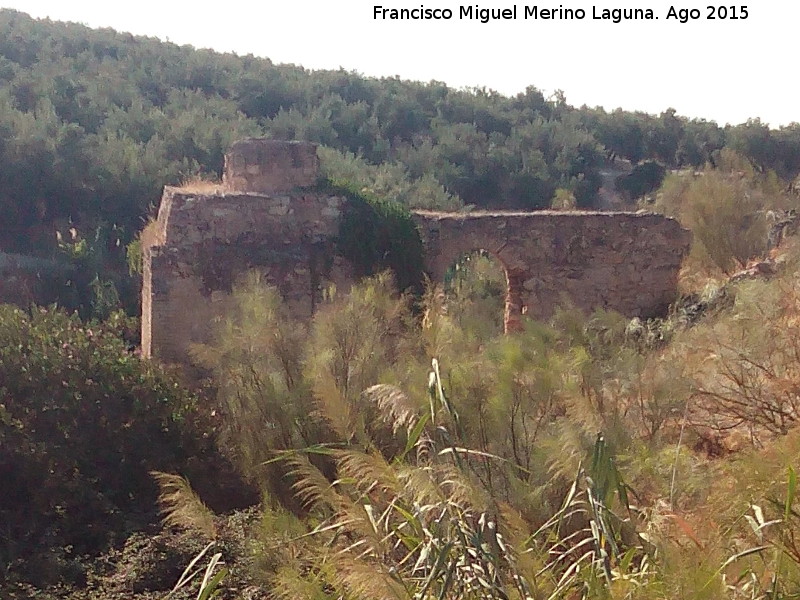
269,214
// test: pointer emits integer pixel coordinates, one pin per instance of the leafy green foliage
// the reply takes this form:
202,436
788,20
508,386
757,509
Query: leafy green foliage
643,179
94,288
492,481
387,180
376,234
83,421
94,123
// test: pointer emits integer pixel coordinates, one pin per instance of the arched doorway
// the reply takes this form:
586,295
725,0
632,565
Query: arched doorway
481,294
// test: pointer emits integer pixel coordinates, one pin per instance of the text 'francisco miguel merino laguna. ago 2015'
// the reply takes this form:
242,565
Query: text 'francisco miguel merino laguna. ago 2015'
559,13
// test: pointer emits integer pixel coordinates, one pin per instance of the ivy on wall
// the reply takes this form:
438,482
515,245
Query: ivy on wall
376,234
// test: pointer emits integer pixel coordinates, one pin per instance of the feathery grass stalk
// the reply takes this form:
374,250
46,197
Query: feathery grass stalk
209,586
181,506
677,456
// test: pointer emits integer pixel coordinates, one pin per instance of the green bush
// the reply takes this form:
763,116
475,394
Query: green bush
82,422
642,180
377,234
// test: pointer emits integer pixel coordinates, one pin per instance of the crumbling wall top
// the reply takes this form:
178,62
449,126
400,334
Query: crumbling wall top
265,166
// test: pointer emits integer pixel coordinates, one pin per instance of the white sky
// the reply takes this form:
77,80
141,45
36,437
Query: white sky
725,71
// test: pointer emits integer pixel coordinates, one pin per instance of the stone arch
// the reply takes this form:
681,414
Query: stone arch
627,262
512,301
469,239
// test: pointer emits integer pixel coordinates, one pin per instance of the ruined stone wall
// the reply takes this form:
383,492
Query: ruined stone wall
203,242
270,216
269,166
626,262
212,240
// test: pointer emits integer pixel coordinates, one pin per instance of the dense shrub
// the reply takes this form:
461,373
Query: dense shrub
377,234
255,360
725,208
82,421
281,385
643,179
492,481
476,288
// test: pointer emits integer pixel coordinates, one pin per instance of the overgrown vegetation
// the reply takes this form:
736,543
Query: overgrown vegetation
93,124
476,294
82,421
727,208
400,450
645,178
417,454
491,481
377,234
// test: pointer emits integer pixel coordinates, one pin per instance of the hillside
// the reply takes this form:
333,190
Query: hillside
93,123
391,446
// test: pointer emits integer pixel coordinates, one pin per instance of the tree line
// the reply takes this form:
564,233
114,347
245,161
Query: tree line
94,122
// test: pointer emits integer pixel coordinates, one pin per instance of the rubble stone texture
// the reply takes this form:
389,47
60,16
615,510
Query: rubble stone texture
270,216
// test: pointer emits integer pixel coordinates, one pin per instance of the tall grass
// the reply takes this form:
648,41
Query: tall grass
726,209
575,459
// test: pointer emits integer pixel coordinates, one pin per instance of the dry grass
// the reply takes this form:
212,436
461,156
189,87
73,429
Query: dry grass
152,234
490,486
200,185
726,209
181,506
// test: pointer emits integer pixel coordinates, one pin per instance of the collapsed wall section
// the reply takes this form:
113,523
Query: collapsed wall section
211,240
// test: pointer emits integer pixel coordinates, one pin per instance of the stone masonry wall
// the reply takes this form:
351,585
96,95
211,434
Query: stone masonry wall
274,222
270,216
627,262
269,166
